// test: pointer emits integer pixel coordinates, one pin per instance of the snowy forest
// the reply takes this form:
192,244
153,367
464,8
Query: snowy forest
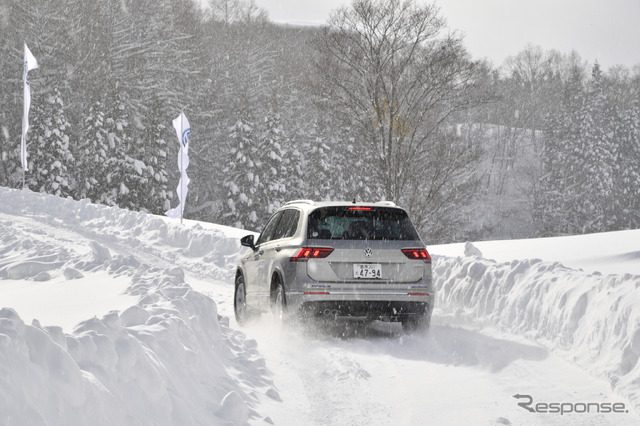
384,102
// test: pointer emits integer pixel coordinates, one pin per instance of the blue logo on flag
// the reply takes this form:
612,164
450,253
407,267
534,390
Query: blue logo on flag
185,136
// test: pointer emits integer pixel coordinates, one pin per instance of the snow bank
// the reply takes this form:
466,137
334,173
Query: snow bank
166,359
210,250
616,252
591,319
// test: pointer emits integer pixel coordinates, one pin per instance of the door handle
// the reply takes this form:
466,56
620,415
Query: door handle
261,252
278,249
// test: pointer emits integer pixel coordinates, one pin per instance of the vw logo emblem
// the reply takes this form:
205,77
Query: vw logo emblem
368,252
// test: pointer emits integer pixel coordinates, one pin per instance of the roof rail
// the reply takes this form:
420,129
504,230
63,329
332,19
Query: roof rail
300,202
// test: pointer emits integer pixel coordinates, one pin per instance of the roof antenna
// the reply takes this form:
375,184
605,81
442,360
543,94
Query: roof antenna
354,200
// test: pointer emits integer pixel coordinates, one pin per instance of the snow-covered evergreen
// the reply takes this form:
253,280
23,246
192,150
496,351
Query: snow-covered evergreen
597,153
281,165
125,173
152,150
627,188
318,164
93,151
588,163
50,159
242,178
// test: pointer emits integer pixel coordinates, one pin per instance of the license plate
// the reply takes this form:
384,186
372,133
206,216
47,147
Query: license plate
367,270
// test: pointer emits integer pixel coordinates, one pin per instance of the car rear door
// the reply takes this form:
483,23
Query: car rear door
280,228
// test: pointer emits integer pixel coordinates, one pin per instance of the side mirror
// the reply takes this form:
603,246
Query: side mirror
247,241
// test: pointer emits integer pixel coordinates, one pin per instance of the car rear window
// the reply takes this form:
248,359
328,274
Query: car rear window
360,223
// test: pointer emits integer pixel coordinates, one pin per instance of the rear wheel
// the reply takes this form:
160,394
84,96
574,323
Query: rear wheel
279,302
240,301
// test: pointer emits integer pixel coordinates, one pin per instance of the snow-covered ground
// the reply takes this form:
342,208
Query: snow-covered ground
114,317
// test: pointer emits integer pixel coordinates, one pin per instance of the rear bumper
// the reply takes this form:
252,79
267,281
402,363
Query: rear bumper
392,306
365,310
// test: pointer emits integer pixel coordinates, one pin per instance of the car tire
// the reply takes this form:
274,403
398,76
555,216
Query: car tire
279,303
240,308
416,323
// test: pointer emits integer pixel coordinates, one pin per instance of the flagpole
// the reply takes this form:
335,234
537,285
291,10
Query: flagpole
181,168
23,142
181,183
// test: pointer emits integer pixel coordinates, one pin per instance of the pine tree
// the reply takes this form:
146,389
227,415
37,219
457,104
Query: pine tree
153,150
280,165
126,176
317,180
559,189
627,195
598,159
94,149
50,157
242,179
577,190
10,104
107,172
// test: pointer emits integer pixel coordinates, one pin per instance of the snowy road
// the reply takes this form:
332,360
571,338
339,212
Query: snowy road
453,376
63,263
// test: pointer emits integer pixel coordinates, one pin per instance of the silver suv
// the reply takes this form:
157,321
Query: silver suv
340,260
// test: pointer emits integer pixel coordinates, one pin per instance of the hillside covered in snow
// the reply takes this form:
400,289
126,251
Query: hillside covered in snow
108,316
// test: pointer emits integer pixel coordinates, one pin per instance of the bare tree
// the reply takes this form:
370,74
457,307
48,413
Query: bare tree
396,75
234,11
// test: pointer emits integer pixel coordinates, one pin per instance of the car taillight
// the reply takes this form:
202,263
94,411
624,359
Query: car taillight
418,254
307,253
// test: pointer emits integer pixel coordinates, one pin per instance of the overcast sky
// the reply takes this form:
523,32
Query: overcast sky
604,30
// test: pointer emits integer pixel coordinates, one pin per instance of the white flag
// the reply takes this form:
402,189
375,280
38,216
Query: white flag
29,64
183,131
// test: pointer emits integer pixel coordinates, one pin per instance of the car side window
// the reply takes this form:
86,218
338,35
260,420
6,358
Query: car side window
269,230
288,225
